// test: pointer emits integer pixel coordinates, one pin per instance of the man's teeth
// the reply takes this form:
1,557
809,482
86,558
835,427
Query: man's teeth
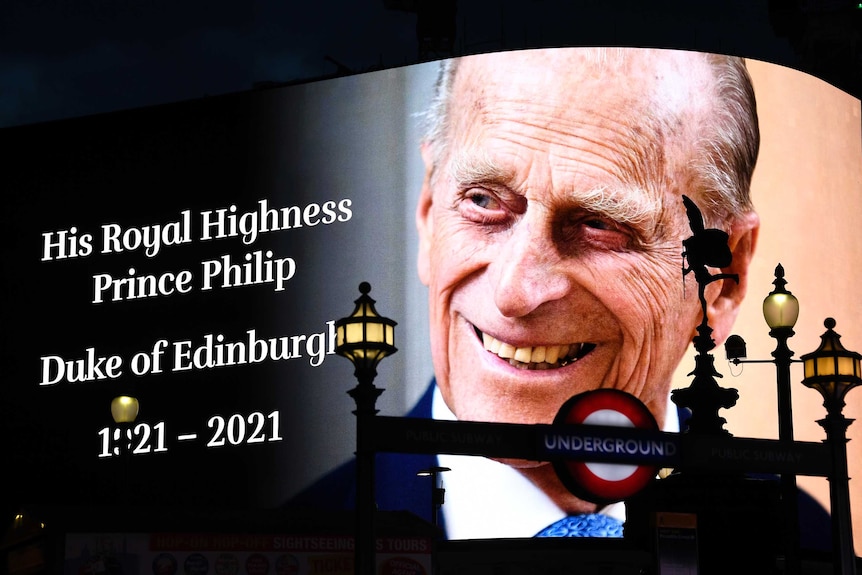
539,357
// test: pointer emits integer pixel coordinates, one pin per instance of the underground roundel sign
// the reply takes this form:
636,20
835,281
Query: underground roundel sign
598,480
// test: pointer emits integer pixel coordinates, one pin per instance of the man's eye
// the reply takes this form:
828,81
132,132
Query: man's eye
599,225
598,232
483,200
483,207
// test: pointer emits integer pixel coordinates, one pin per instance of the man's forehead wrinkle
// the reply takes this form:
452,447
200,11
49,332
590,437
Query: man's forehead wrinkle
633,136
633,198
629,155
642,170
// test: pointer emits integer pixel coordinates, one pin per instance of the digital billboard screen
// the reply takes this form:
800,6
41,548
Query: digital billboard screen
197,256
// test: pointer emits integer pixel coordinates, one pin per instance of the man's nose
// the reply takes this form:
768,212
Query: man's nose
529,272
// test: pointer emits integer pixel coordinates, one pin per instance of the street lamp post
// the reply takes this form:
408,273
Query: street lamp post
438,493
833,371
124,411
365,338
780,310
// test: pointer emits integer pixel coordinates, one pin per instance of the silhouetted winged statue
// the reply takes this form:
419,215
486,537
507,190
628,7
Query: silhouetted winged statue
704,397
707,247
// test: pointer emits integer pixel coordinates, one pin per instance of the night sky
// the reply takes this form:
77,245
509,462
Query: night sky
63,58
68,58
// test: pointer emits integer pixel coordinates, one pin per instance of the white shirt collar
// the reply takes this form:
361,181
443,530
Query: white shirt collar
485,499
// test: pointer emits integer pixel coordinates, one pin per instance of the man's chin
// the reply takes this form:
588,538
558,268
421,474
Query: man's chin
543,475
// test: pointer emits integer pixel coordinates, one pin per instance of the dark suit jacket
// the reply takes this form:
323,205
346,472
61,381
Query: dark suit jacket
397,488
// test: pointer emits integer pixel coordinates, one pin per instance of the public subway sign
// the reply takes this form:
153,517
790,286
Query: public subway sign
606,445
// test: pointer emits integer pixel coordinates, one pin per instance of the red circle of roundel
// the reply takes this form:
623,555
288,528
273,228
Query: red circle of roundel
583,478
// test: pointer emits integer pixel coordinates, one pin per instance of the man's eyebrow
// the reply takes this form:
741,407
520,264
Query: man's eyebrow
477,168
630,205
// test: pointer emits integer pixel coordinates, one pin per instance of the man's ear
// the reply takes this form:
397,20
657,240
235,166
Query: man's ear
425,216
742,240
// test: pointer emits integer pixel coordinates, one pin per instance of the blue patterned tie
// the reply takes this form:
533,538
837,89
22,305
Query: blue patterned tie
587,525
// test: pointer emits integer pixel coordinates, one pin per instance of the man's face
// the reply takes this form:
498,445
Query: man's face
551,232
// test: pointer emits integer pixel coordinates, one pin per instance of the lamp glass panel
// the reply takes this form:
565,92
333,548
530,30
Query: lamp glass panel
848,366
825,366
809,366
781,310
366,310
374,332
355,354
353,333
124,409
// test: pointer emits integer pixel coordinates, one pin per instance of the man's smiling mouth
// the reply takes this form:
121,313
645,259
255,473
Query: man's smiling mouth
538,357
